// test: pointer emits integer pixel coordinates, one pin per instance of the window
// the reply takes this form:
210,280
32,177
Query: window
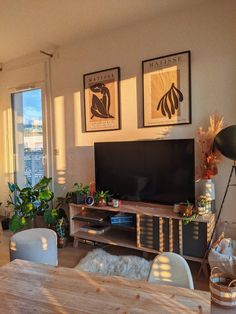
27,107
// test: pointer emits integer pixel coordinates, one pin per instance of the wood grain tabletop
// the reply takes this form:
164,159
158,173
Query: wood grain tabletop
27,287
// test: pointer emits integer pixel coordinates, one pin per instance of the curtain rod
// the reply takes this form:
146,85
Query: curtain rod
46,53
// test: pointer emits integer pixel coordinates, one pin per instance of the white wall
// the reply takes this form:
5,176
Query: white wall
208,31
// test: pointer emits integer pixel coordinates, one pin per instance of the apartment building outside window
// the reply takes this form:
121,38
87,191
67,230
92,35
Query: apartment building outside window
27,107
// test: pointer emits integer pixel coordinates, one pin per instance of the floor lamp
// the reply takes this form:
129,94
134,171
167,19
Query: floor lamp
225,142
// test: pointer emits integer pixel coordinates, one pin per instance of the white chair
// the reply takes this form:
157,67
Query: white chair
171,269
36,245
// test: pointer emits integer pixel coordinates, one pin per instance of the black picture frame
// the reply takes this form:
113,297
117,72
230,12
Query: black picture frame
102,100
166,84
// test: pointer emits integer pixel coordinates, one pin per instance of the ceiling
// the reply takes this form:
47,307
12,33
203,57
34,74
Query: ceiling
26,26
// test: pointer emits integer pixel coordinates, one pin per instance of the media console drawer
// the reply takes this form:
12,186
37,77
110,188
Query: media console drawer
169,234
160,233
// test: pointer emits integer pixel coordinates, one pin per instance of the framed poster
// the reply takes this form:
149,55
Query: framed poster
167,90
101,100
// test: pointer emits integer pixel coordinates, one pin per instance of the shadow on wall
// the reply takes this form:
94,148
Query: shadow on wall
71,163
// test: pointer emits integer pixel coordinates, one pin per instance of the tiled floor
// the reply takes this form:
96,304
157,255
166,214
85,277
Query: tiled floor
70,257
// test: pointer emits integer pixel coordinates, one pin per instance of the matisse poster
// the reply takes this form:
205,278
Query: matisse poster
101,100
167,90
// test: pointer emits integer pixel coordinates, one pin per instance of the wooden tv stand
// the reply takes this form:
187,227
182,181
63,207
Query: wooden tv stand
157,229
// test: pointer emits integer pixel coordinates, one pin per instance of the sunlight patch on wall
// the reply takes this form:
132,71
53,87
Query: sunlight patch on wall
8,145
59,130
77,118
129,110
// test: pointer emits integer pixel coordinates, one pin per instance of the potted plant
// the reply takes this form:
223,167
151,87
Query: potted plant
29,202
187,212
61,232
57,220
202,205
80,193
101,198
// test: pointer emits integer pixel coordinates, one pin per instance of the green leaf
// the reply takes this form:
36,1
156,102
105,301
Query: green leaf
16,223
43,183
28,207
50,216
45,195
23,220
12,187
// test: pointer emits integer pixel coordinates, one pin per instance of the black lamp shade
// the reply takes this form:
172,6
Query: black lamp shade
225,142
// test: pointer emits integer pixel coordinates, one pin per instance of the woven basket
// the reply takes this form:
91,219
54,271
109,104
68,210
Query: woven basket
222,288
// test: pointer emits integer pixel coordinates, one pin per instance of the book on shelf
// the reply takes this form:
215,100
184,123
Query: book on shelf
94,228
122,218
92,216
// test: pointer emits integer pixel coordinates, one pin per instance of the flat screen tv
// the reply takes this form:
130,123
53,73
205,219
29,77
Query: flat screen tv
156,171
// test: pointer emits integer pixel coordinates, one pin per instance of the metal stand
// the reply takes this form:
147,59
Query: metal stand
217,219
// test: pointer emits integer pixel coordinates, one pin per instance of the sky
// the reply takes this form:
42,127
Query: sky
32,105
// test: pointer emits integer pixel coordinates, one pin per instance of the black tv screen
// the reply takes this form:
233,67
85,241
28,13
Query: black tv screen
157,171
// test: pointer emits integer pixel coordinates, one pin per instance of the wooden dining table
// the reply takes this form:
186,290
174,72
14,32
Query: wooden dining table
27,287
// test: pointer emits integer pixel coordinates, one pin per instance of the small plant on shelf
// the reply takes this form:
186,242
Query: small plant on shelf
203,204
187,212
102,198
80,193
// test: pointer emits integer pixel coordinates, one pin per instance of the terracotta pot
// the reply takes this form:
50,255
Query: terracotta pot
186,209
61,242
39,222
102,202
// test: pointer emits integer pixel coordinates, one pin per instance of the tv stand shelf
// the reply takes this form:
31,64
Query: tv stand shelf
157,229
112,236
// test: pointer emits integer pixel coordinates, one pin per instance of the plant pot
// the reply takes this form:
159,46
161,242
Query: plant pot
30,223
102,202
78,198
185,209
39,222
61,242
5,223
201,210
208,189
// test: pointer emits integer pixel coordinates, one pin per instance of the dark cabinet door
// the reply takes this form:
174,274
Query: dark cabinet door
195,239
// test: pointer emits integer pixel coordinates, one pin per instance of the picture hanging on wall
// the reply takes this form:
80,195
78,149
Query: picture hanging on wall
101,100
167,90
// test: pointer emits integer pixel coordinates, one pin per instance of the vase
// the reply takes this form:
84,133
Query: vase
208,190
201,210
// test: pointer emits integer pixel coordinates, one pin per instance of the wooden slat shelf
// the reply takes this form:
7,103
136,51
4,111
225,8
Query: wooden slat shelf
114,236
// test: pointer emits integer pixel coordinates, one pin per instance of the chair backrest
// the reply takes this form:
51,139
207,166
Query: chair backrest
171,269
36,245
